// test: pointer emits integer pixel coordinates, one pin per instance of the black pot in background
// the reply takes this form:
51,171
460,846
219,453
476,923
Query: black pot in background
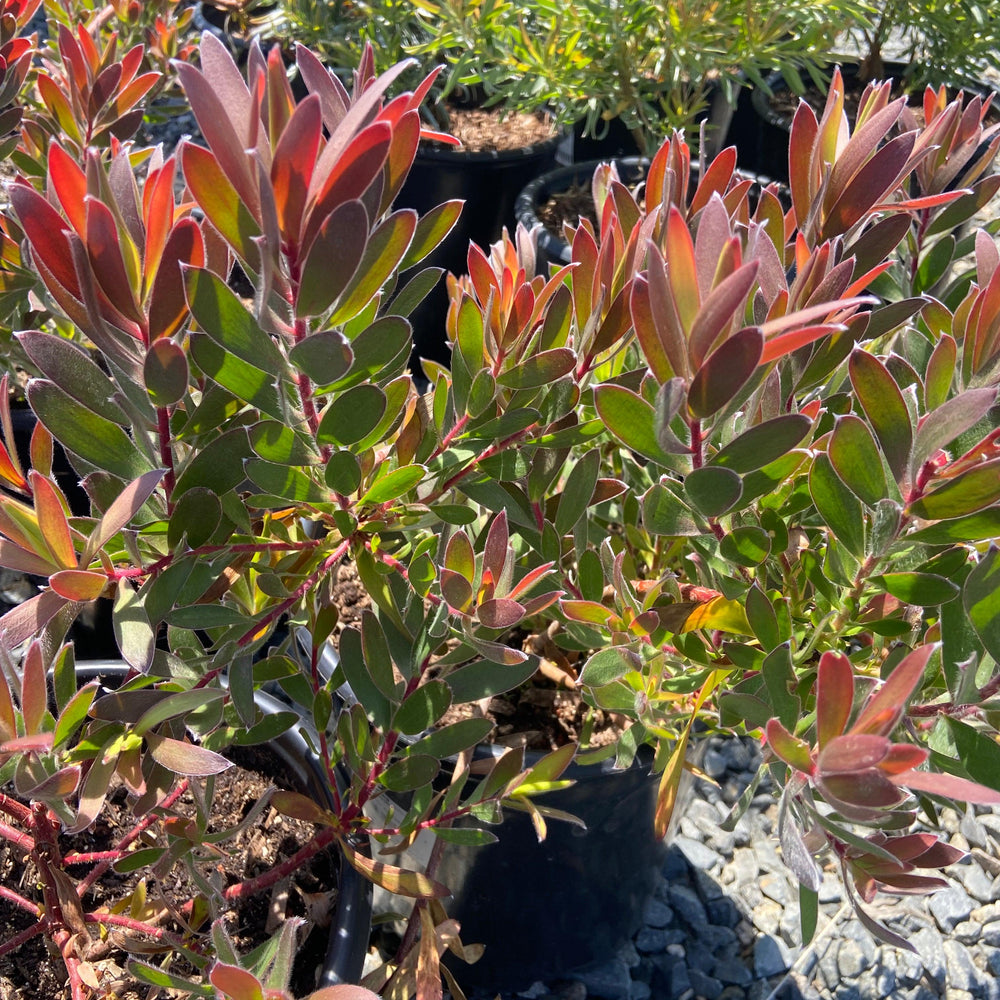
24,421
763,145
350,919
489,183
553,249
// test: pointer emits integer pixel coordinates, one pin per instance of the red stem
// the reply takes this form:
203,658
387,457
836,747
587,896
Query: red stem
166,454
136,926
322,838
18,900
147,821
16,810
297,594
12,944
22,840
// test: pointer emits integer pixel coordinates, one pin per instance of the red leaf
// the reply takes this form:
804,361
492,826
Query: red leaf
949,786
69,184
292,166
45,230
869,788
852,752
834,696
501,612
885,706
351,175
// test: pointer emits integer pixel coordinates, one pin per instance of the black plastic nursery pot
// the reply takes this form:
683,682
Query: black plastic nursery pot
350,918
545,909
763,144
554,249
488,182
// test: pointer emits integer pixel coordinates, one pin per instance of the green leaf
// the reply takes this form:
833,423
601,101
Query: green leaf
381,351
422,708
609,665
981,597
808,913
284,481
274,441
857,460
228,322
953,417
713,490
453,739
927,590
967,493
352,415
97,441
885,408
394,484
484,679
207,616
725,371
977,752
383,252
577,492
539,369
837,505
165,372
978,527
762,619
632,420
171,706
764,443
324,356
352,660
779,676
410,773
343,472
73,370
244,380
218,466
663,513
468,836
195,517
746,545
332,260
455,514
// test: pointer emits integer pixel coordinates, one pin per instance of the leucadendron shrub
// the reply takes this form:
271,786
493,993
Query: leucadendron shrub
735,457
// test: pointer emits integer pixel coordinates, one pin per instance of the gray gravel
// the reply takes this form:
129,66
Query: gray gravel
723,920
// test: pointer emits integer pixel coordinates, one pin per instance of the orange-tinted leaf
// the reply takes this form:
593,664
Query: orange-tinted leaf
51,511
78,584
789,748
292,166
167,302
397,880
